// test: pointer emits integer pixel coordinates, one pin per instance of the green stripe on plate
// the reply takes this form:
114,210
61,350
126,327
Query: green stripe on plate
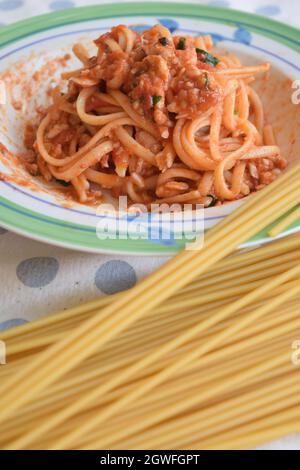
41,226
262,25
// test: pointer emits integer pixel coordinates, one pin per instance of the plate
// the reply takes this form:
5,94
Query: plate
32,45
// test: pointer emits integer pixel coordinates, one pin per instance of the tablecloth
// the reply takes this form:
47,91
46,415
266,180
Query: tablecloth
36,279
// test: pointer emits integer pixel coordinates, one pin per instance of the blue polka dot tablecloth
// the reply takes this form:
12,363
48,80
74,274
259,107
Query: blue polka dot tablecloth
37,279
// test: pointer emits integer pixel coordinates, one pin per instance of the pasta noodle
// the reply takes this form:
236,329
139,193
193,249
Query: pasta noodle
165,373
151,105
209,328
235,388
285,223
94,333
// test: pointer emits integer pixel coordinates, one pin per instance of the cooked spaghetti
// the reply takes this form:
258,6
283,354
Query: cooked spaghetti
158,118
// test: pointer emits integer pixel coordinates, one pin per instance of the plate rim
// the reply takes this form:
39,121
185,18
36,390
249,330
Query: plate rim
67,16
31,26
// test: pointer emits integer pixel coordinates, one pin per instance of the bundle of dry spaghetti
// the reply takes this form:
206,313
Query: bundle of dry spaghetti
210,338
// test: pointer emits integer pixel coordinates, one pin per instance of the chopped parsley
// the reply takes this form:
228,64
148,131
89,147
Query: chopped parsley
163,41
72,98
213,201
156,99
62,182
208,58
206,81
102,86
181,44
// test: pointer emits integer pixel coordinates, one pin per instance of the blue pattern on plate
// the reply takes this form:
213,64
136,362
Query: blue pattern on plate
268,10
172,25
6,325
142,224
219,3
8,5
61,5
243,36
161,237
140,28
217,37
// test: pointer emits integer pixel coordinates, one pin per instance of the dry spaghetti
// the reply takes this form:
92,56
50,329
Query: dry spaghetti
240,388
240,352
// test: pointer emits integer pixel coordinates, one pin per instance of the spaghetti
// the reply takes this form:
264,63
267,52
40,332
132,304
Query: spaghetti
158,118
253,350
285,223
233,391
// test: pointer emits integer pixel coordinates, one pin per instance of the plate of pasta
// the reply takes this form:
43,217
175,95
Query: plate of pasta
109,113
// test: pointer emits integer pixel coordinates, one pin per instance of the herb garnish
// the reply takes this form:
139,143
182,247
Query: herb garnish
72,98
156,99
102,86
181,44
62,182
206,81
208,58
214,200
163,41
